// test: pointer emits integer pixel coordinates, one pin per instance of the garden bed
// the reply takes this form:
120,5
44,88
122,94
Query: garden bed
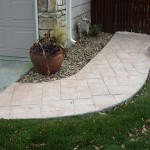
77,57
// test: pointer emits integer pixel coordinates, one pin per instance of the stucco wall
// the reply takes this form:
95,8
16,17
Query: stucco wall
77,7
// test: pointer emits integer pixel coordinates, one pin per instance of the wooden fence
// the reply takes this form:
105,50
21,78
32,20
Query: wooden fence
122,15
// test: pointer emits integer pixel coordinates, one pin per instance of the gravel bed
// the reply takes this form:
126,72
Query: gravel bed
77,57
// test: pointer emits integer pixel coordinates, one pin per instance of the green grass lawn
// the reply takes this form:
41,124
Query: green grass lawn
126,127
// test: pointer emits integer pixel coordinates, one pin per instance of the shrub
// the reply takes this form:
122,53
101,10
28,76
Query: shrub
95,30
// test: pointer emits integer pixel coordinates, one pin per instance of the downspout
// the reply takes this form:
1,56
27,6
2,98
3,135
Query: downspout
36,20
69,21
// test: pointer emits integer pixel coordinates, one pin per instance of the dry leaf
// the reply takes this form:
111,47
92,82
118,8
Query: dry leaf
96,148
76,147
148,121
123,146
130,135
38,145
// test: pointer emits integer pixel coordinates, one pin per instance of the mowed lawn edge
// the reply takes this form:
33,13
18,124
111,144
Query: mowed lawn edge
124,127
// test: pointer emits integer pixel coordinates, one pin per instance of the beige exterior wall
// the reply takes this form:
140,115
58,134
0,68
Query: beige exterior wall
79,6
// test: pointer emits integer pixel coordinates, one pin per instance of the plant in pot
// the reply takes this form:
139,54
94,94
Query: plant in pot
48,53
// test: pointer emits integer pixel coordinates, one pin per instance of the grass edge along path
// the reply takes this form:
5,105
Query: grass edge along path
126,127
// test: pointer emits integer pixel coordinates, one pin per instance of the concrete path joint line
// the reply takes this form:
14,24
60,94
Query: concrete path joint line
116,74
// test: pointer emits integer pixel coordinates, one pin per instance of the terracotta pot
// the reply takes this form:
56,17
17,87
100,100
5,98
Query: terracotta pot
51,63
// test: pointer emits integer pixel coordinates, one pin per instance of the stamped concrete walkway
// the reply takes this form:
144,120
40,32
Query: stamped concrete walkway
113,76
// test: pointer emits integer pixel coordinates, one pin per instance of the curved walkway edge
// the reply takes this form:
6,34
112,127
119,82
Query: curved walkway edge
117,73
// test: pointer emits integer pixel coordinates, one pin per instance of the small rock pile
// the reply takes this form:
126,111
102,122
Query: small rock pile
77,57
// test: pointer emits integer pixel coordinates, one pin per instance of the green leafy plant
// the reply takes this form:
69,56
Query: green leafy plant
47,46
51,44
48,53
95,30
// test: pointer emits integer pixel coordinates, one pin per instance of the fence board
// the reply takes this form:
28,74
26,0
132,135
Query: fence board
122,15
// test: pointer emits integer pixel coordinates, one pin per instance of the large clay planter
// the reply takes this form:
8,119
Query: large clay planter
51,63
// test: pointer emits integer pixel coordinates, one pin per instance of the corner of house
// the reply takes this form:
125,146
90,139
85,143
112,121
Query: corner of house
51,13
